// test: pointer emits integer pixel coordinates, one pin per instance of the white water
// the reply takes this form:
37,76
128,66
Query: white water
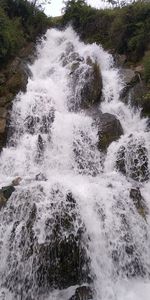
103,200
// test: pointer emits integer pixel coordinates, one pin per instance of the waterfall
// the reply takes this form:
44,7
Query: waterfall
72,220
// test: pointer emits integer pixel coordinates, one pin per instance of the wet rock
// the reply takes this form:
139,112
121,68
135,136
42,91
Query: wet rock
83,293
130,78
109,127
59,260
139,202
40,177
62,259
86,83
5,193
47,121
132,160
126,256
43,124
31,122
92,90
16,181
3,200
40,149
110,130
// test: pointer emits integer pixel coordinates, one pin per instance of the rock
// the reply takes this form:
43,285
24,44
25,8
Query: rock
5,100
60,259
85,79
145,104
135,92
139,69
16,181
13,78
138,200
132,160
43,123
86,84
126,256
2,79
2,125
63,259
83,293
3,200
120,60
109,127
28,53
5,193
92,89
40,177
130,78
17,82
110,130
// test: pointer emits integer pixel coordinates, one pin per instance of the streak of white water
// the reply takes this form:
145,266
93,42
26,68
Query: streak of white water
45,133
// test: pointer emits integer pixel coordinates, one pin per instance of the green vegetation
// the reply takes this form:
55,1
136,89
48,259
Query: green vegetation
124,30
20,23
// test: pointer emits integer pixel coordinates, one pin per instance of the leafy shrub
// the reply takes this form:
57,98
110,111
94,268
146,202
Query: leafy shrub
20,22
125,30
11,36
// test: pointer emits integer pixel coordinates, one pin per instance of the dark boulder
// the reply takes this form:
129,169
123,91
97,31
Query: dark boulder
85,79
139,202
5,193
86,84
109,127
43,124
110,130
132,160
83,293
60,260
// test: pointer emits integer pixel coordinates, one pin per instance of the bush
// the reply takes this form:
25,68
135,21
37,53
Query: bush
20,22
125,30
11,36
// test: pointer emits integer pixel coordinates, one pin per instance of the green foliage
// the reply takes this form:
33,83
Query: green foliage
20,22
125,30
11,36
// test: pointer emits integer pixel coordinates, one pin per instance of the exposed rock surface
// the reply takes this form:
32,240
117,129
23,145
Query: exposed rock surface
85,80
138,200
60,260
132,160
83,293
5,193
109,127
13,79
87,85
135,91
110,130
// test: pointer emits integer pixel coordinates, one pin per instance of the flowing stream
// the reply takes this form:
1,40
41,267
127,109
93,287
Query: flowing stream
53,148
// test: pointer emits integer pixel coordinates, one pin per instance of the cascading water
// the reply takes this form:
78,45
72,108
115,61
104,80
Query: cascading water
73,203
